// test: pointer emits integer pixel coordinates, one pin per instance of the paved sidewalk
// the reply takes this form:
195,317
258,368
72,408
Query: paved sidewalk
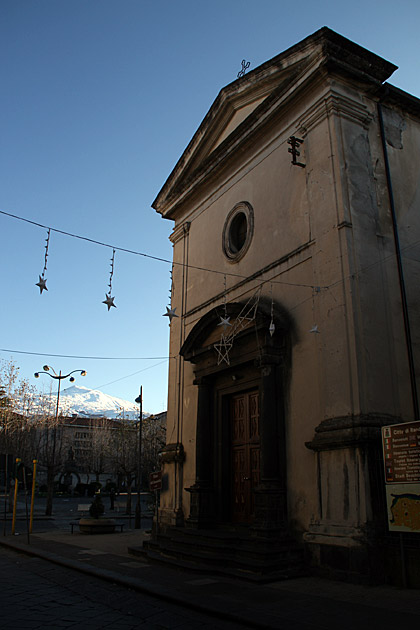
301,604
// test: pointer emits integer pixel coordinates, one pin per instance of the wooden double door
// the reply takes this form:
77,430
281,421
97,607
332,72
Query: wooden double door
244,453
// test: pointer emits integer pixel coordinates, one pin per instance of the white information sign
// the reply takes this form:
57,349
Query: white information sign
401,448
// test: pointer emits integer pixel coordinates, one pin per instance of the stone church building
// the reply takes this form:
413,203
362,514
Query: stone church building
294,318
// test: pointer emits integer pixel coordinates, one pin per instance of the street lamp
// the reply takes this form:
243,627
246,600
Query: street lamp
47,369
59,377
137,520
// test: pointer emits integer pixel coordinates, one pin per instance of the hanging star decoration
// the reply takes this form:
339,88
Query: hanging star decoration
315,329
109,301
223,348
172,289
224,321
42,284
170,312
246,315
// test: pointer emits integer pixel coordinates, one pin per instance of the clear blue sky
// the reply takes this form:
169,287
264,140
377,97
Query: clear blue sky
98,100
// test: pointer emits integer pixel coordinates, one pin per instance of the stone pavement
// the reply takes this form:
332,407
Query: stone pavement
36,594
302,603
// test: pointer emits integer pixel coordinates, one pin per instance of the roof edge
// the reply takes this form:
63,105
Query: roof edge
337,53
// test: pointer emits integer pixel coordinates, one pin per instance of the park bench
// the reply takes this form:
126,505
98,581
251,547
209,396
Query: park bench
83,509
74,524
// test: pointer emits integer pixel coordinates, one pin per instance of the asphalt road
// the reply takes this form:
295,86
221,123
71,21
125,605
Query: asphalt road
35,594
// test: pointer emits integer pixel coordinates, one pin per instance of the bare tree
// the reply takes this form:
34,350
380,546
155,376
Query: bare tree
17,425
102,447
153,440
125,454
51,449
17,399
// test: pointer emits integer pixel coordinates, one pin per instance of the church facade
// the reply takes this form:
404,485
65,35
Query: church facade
295,311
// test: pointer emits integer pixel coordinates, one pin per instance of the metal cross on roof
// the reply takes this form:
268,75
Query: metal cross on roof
245,66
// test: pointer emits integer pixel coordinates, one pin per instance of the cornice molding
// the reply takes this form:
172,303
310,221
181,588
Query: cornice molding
180,231
338,104
300,253
349,431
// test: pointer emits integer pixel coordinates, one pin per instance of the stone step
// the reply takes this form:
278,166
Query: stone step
227,555
246,573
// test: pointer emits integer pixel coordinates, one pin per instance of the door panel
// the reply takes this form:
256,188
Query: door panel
245,454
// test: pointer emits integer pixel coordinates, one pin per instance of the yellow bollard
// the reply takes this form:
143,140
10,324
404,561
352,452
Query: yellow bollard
15,497
32,496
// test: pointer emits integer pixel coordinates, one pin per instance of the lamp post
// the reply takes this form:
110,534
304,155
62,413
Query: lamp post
47,369
137,520
60,377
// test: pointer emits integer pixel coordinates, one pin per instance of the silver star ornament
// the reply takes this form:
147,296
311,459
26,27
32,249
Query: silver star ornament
109,301
42,284
170,312
224,321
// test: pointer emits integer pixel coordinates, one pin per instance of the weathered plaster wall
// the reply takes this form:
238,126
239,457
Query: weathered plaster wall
327,226
403,134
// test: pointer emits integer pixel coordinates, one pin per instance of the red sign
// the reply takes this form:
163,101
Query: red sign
401,444
155,480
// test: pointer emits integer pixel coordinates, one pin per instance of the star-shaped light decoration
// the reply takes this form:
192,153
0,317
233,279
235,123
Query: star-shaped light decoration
224,321
109,301
314,329
170,312
271,328
223,348
42,284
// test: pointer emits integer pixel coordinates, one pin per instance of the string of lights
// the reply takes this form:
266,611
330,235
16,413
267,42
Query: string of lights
143,254
77,356
175,263
171,313
122,378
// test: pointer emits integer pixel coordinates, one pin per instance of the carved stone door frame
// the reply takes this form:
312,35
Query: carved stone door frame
256,361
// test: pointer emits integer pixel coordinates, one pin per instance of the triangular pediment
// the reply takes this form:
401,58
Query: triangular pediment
244,106
234,105
234,115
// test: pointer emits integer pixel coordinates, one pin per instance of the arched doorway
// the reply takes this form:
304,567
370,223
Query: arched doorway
240,433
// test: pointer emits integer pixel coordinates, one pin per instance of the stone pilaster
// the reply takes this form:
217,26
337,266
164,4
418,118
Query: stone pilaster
202,492
270,495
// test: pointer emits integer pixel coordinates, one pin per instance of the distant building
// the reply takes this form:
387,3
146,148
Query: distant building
289,329
80,433
86,451
90,445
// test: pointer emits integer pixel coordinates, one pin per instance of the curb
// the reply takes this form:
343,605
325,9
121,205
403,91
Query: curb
140,586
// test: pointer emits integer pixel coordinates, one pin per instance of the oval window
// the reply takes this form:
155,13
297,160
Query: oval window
238,230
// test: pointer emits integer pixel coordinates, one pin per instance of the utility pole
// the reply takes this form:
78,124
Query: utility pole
137,520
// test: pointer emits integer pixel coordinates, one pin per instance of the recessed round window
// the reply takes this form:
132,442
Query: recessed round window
238,230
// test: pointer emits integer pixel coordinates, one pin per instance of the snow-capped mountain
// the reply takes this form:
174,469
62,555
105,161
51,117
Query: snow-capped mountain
93,403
